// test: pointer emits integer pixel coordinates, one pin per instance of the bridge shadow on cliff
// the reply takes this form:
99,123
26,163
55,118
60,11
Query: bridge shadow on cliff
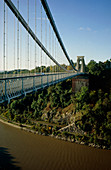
7,160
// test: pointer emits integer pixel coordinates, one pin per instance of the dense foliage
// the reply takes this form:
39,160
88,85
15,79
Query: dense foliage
95,120
32,106
90,106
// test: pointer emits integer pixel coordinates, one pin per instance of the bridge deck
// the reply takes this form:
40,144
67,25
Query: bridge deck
13,87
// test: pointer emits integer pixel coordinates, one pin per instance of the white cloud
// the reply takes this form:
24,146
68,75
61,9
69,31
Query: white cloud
81,29
88,29
85,29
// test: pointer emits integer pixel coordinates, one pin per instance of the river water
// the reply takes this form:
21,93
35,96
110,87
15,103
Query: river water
27,151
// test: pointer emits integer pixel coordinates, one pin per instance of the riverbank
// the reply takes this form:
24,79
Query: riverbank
8,123
15,125
29,128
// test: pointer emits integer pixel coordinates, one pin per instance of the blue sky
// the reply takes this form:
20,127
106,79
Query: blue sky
84,26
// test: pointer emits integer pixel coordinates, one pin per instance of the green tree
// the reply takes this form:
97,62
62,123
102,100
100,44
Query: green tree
82,96
92,67
14,105
93,96
109,117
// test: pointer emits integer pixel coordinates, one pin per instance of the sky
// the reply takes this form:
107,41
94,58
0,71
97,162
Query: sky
84,27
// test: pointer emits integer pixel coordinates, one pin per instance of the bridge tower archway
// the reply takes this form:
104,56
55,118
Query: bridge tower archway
80,67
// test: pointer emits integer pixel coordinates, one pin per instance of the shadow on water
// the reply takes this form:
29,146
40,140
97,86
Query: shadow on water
7,160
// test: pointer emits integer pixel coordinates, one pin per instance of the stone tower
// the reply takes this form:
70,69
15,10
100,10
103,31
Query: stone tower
80,68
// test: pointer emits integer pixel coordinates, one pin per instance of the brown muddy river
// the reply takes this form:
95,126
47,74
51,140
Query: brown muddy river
27,151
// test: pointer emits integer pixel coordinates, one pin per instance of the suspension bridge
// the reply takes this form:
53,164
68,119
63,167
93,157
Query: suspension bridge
32,53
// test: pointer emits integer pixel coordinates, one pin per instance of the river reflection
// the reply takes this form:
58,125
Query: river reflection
35,152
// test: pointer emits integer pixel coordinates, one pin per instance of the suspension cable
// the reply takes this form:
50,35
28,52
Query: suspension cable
18,38
20,46
14,43
28,35
7,39
4,54
23,22
52,50
49,15
55,57
46,38
50,44
41,37
35,34
30,54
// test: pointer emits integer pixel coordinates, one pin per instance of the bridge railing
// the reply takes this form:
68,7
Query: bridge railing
16,86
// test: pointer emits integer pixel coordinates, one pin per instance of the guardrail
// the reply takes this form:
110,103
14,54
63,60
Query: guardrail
13,87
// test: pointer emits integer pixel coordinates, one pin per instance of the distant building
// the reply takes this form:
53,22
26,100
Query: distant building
78,82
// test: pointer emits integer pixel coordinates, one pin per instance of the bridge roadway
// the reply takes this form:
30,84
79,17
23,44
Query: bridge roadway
13,87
